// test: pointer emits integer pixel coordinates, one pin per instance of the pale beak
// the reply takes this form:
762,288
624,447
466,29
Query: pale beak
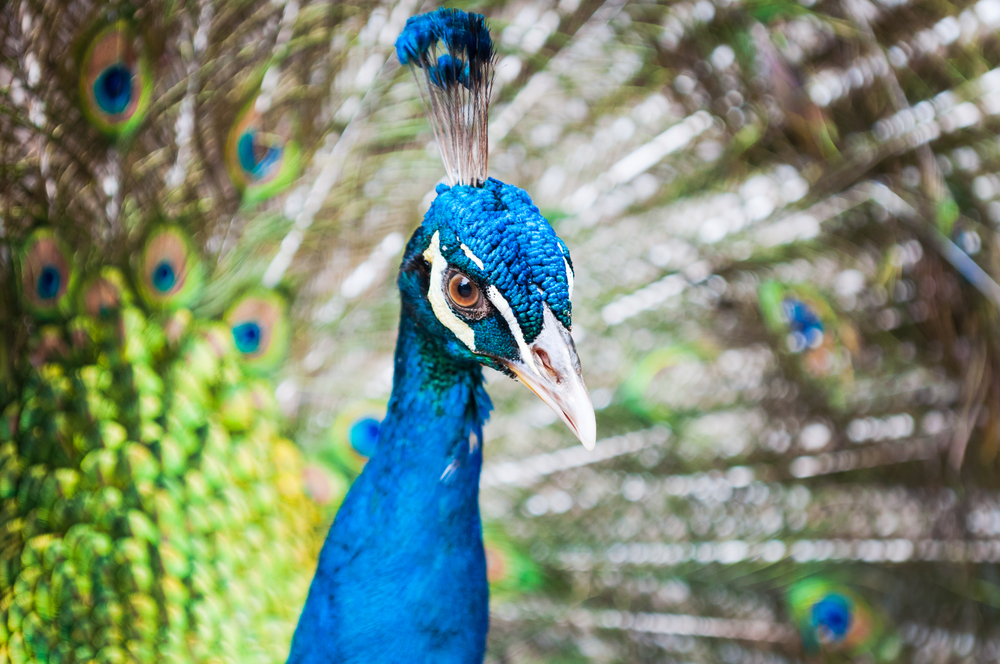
552,371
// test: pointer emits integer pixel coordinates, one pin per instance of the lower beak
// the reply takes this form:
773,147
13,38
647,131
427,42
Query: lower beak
553,373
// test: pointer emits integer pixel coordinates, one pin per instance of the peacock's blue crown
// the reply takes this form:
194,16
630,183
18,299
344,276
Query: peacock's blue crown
495,234
465,37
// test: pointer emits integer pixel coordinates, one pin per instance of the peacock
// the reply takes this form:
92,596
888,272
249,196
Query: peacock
484,281
783,219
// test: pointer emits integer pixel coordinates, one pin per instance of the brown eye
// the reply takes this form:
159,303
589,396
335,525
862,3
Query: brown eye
463,292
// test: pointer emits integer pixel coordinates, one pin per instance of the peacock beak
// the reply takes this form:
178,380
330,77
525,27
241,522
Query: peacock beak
552,371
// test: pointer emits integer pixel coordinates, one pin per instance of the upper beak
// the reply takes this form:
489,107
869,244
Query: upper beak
552,371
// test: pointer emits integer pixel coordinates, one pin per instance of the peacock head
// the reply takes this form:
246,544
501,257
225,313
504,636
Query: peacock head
486,275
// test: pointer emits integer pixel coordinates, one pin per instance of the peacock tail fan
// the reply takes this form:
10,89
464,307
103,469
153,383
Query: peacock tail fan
152,506
131,115
155,499
151,528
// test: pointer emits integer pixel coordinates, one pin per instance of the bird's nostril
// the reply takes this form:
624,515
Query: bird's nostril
543,359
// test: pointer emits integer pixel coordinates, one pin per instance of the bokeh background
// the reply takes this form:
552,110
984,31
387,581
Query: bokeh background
783,221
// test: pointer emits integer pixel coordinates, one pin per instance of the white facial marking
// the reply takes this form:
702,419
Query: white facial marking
435,293
569,277
508,315
472,257
449,472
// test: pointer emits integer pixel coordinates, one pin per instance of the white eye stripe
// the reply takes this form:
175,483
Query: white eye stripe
435,293
472,257
569,278
508,315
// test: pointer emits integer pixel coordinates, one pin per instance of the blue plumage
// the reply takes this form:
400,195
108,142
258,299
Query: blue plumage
48,283
449,71
831,617
164,277
256,158
247,337
464,36
402,576
113,89
522,255
364,436
805,326
484,281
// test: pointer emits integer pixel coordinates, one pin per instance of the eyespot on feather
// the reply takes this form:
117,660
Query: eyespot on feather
47,275
116,85
170,274
832,618
103,295
261,160
353,436
259,324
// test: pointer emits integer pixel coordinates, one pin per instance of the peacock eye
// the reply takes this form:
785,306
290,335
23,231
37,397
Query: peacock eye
116,83
171,274
463,292
262,158
47,273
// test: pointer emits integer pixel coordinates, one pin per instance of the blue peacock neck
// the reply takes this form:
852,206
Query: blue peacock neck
402,575
438,403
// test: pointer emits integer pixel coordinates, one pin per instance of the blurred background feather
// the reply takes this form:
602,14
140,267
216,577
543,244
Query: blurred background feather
783,222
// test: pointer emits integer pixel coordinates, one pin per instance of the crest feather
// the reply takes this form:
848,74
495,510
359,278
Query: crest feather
452,59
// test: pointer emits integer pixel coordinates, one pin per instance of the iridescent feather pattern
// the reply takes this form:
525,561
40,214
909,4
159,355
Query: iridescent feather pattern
353,436
364,436
165,519
149,508
806,328
261,163
452,57
115,80
832,618
47,274
171,274
102,294
259,324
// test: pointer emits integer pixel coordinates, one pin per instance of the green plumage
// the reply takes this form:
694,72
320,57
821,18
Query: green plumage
143,521
151,507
